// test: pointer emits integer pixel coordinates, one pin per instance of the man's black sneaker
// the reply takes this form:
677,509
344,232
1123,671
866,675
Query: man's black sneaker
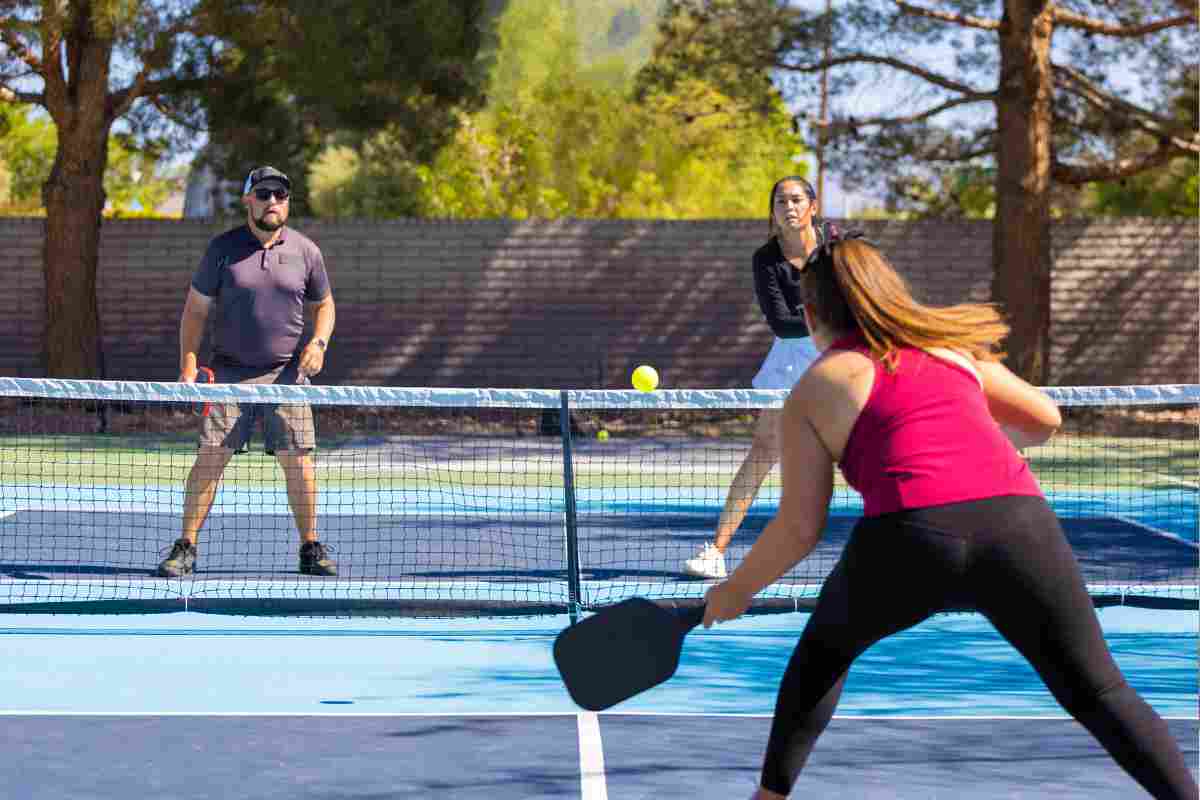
314,560
180,561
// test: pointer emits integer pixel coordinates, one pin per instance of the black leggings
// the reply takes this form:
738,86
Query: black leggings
1006,557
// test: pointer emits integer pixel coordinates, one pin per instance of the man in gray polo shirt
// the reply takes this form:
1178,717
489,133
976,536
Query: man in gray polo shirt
259,277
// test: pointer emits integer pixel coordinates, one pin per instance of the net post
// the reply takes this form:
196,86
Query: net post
574,592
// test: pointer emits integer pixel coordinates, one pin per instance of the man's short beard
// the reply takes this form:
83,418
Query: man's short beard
270,227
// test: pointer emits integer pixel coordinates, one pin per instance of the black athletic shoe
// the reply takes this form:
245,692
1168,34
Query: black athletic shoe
315,560
180,561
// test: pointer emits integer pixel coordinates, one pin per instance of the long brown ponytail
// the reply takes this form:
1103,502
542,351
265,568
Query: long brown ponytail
852,286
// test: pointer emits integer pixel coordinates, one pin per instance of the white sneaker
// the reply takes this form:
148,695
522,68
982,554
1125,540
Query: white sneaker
708,563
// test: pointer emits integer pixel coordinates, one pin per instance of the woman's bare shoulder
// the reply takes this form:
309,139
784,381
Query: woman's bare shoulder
835,363
834,373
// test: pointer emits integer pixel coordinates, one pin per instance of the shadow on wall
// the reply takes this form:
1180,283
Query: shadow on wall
570,304
580,303
1108,314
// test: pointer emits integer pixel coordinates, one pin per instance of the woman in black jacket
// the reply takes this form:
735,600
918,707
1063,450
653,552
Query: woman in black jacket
795,231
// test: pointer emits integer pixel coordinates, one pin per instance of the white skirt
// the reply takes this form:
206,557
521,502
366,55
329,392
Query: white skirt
785,363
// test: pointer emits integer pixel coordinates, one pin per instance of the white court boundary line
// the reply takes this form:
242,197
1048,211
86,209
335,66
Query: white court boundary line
1156,531
1173,479
544,714
593,784
219,714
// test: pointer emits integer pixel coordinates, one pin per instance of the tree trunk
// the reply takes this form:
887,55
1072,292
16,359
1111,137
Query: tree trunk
78,102
1021,232
74,199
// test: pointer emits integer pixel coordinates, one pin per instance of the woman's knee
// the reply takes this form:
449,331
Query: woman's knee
208,457
1082,698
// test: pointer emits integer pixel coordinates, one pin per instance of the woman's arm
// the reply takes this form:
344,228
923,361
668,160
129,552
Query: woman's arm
807,488
1026,414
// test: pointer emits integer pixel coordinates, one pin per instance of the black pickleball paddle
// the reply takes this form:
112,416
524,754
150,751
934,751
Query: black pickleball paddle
622,651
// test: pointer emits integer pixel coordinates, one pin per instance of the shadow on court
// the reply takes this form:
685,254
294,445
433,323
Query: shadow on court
58,545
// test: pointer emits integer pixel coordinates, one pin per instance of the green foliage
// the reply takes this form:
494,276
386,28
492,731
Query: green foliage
967,192
1169,191
27,149
135,182
929,84
617,37
571,130
138,179
582,151
373,181
302,75
717,47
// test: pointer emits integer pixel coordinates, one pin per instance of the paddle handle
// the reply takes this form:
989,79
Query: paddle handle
203,375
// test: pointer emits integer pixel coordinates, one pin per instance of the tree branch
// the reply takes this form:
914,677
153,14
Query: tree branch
152,91
854,122
19,49
945,16
10,95
940,151
1072,19
121,100
1119,168
895,63
1164,128
161,107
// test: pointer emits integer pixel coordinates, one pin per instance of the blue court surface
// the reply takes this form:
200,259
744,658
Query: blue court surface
187,705
191,706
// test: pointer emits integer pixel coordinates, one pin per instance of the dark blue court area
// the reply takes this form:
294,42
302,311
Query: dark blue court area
525,757
59,554
36,544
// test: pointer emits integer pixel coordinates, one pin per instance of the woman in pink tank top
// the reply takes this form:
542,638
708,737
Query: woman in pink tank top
915,407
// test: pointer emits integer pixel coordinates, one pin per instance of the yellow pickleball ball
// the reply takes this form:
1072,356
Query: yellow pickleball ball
602,436
645,378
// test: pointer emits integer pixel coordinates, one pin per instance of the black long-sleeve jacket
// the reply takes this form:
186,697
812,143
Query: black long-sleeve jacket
777,285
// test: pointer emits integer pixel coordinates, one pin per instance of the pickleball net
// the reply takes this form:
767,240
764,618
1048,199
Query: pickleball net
479,502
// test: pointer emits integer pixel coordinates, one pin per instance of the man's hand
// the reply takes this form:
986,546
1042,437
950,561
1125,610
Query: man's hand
188,375
725,602
312,359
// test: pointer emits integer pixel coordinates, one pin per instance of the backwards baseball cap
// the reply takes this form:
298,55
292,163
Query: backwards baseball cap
263,174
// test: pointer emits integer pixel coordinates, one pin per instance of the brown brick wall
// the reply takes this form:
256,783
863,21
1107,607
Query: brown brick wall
1124,302
579,303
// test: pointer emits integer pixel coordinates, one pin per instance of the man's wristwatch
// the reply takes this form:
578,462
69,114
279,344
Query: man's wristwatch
321,343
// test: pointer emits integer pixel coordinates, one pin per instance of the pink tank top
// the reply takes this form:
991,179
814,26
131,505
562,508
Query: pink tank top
926,438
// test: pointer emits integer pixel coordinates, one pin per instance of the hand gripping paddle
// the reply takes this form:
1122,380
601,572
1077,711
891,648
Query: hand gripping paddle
622,651
203,375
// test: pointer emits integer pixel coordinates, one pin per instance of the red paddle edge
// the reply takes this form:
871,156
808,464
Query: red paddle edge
204,375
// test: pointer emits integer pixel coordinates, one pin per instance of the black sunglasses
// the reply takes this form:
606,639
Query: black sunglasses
266,194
